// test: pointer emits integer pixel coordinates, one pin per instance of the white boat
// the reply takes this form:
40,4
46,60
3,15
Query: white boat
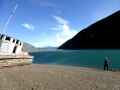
11,52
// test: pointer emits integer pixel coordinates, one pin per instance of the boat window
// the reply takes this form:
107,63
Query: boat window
1,36
14,50
8,38
13,40
20,43
17,41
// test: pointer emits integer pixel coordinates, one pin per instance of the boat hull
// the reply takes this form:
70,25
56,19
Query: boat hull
7,61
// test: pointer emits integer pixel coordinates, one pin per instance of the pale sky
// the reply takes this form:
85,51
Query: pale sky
45,23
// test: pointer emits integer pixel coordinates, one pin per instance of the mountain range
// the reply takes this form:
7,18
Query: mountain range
30,48
104,34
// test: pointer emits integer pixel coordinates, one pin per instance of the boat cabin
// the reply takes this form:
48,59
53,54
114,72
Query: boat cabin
9,45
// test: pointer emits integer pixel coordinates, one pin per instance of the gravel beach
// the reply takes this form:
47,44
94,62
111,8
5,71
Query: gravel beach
57,77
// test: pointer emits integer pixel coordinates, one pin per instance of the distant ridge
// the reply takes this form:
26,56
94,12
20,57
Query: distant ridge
104,34
30,48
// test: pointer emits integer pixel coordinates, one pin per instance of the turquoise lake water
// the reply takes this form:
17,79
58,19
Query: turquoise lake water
84,58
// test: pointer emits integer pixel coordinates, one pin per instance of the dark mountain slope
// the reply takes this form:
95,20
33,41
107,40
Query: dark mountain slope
104,34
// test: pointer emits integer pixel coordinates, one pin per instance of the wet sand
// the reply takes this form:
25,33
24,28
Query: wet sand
56,77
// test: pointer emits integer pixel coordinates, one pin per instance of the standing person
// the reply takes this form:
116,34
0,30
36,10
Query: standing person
106,64
109,63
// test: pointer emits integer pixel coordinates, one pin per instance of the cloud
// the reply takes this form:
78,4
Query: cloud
10,17
64,32
28,26
60,20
